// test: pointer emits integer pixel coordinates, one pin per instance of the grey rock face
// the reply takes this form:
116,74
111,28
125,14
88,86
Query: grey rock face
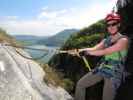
22,79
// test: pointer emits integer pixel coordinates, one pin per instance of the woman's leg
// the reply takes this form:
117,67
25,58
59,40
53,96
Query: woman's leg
86,81
108,90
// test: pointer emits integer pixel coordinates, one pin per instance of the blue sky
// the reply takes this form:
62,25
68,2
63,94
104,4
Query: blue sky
47,17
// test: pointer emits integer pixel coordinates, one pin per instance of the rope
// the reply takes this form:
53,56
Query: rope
23,47
72,52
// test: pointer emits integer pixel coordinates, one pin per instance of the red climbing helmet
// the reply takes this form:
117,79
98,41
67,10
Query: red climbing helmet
113,16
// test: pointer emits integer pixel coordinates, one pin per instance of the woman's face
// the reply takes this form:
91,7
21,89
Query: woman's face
112,27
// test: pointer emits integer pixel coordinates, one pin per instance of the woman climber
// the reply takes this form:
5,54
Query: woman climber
111,70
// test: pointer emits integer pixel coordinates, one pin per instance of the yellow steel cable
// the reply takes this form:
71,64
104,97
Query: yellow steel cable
86,63
72,52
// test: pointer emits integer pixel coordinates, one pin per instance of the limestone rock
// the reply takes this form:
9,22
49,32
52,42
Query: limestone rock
22,79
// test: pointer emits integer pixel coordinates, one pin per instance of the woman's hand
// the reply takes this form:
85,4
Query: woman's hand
84,53
73,52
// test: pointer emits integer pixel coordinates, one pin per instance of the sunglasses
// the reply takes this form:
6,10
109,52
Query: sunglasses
112,24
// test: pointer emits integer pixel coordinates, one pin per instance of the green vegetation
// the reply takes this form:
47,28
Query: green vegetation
72,66
56,78
4,37
86,37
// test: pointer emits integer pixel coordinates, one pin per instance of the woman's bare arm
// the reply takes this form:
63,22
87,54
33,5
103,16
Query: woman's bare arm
96,47
120,45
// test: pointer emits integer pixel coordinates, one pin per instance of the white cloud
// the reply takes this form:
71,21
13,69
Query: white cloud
49,22
44,8
51,14
30,27
84,17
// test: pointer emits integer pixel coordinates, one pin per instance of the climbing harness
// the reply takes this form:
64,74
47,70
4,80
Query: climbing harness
72,52
113,64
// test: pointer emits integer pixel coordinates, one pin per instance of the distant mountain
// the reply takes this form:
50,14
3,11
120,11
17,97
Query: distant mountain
28,39
59,38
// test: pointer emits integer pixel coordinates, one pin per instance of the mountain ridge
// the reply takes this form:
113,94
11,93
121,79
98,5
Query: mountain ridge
56,40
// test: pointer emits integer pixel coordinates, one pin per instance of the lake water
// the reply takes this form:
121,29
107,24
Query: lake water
37,54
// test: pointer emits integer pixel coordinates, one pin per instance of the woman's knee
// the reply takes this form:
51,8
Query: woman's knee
84,81
80,83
